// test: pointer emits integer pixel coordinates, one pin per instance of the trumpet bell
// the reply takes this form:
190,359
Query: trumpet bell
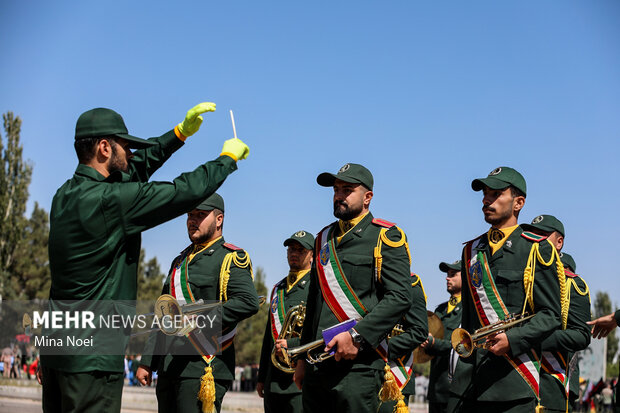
462,342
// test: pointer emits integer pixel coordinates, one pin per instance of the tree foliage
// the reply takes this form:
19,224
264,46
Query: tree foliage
249,338
15,175
603,306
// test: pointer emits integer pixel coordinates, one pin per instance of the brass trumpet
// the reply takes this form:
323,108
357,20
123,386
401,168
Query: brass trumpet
464,343
291,327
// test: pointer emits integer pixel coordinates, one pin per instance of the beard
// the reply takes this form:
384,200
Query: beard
205,237
345,211
116,162
498,219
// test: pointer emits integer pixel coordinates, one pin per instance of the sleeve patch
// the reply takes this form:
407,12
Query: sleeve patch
533,237
383,223
232,247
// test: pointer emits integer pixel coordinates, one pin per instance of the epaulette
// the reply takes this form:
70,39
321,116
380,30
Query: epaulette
473,239
383,223
569,273
533,237
231,246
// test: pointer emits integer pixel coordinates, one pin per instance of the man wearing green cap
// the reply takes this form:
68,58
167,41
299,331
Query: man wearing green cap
274,385
361,272
506,271
450,315
558,375
214,271
96,220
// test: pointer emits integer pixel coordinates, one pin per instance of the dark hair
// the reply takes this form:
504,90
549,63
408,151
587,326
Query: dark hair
216,213
86,148
515,192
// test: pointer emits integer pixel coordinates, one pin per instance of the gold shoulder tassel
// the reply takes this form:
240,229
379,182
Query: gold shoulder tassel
390,391
206,394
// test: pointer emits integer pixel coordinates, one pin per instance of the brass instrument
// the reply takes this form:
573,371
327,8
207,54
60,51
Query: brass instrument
293,354
291,327
464,343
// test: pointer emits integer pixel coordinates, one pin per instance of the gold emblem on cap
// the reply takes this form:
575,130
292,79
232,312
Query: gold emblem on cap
495,171
300,234
538,219
344,168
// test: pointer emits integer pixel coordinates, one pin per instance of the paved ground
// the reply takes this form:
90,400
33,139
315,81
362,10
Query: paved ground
24,396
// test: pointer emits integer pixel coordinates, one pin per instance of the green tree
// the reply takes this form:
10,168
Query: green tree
603,306
29,273
15,175
249,338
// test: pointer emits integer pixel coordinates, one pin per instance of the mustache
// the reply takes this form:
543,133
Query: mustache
340,203
488,208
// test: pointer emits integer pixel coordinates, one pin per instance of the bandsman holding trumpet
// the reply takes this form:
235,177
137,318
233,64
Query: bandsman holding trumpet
505,271
449,313
212,270
558,370
361,271
275,385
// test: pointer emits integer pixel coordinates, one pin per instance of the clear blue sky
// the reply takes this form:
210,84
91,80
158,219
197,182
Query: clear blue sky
427,95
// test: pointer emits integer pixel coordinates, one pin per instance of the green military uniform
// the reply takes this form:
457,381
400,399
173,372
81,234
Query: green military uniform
439,382
485,382
415,326
94,249
178,373
353,385
281,395
559,348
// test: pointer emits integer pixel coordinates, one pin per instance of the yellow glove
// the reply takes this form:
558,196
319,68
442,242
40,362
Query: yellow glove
193,120
236,149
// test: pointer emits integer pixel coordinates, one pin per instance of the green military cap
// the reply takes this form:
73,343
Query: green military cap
102,122
351,172
444,266
568,261
213,202
546,223
501,178
303,237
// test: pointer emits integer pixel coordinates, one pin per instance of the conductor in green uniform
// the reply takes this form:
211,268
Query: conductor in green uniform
274,385
449,313
506,271
559,348
361,271
215,271
96,220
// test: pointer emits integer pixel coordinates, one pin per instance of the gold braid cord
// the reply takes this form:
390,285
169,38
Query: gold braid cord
229,259
575,286
419,281
383,239
528,279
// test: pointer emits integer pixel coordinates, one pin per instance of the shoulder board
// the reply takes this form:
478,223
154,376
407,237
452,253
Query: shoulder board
231,247
383,223
570,273
281,283
472,240
441,307
533,237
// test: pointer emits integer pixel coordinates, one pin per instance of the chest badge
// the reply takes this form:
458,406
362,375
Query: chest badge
476,274
274,304
324,255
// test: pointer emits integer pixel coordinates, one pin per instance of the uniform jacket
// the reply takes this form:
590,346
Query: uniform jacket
204,274
576,337
95,226
439,385
277,381
386,300
484,376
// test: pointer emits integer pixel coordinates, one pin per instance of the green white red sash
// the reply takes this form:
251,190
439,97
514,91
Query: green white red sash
491,309
553,363
277,312
181,291
344,303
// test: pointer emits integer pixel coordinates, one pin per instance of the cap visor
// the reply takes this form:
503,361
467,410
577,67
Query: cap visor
493,183
304,244
135,142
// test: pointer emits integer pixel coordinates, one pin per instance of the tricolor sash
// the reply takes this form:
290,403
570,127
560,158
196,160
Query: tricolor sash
181,291
554,364
277,312
344,303
491,309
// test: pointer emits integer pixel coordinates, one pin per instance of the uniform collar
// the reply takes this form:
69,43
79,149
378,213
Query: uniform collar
92,173
355,232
